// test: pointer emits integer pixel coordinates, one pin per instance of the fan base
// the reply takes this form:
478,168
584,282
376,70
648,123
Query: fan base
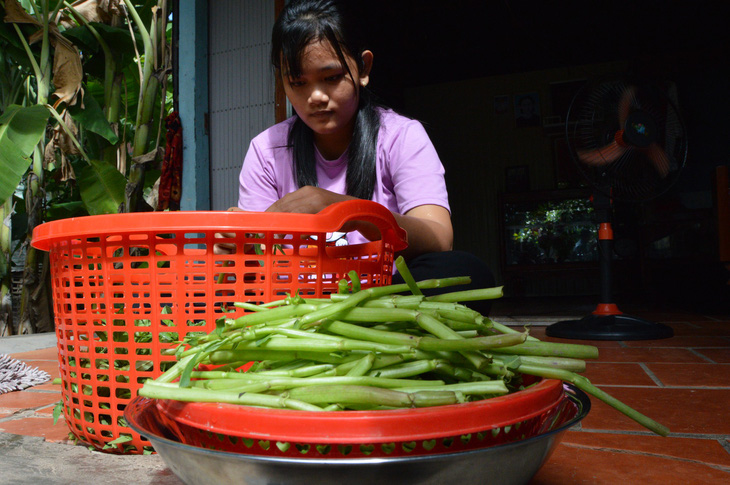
609,327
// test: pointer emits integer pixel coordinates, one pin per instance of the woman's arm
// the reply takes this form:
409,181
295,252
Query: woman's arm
429,230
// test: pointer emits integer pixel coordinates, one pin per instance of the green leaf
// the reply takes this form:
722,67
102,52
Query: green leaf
13,165
65,210
120,41
354,280
82,38
168,337
263,340
92,118
220,325
57,411
511,362
25,125
187,372
7,32
102,188
121,440
14,55
167,310
20,131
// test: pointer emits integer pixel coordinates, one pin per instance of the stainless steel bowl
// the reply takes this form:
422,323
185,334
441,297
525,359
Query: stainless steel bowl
508,464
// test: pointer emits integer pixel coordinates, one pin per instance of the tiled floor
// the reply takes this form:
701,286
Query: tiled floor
682,382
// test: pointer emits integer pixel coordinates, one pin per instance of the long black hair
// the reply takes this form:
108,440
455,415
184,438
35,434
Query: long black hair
301,23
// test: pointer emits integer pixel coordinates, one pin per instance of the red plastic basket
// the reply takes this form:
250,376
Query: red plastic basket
359,434
126,286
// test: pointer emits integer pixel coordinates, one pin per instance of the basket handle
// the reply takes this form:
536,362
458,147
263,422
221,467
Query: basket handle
340,213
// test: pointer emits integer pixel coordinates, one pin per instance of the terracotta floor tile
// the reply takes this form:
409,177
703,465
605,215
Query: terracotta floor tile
647,354
713,328
719,355
47,410
704,450
696,411
617,374
692,375
28,399
687,341
577,465
685,328
669,317
50,353
720,329
48,386
539,332
37,426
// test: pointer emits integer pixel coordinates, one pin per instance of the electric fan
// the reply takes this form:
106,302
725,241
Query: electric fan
628,141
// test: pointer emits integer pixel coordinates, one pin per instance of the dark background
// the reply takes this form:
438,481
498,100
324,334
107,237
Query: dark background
421,43
431,41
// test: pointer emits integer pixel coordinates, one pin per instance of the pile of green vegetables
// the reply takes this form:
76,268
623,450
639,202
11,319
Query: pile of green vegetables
366,349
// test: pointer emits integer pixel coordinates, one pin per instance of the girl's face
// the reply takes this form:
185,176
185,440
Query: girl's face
325,96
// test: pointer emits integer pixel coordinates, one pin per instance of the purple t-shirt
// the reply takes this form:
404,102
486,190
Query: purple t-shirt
409,172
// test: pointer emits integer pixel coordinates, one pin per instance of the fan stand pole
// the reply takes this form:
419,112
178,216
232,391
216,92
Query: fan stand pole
607,322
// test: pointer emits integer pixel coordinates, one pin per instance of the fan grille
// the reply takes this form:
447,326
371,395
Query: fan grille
627,138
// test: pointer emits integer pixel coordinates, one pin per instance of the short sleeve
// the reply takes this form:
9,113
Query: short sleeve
266,173
257,186
416,172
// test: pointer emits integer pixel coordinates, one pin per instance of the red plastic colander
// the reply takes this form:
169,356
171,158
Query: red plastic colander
357,434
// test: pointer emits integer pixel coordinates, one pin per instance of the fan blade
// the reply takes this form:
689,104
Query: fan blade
628,99
602,156
659,158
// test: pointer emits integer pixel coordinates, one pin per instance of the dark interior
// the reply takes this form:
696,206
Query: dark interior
430,41
436,60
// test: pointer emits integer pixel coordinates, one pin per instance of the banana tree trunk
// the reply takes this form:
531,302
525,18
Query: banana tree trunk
149,87
33,316
135,187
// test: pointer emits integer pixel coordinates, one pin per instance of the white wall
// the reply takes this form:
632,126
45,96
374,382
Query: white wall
241,92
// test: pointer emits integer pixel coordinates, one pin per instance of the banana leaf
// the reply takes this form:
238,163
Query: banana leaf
91,117
21,128
102,187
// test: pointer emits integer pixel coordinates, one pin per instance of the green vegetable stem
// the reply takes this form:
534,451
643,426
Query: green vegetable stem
376,348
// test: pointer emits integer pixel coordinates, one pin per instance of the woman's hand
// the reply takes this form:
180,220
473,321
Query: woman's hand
307,200
311,200
428,226
225,248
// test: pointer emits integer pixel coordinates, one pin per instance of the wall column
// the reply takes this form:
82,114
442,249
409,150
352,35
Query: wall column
193,102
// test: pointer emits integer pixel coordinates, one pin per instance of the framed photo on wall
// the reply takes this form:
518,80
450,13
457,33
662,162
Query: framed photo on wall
517,178
502,104
527,109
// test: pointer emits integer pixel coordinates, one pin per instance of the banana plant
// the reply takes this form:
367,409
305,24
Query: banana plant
80,132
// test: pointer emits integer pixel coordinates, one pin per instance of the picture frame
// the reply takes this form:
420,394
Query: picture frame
502,104
517,178
527,109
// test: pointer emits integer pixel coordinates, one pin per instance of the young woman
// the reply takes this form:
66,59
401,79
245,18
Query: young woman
341,144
